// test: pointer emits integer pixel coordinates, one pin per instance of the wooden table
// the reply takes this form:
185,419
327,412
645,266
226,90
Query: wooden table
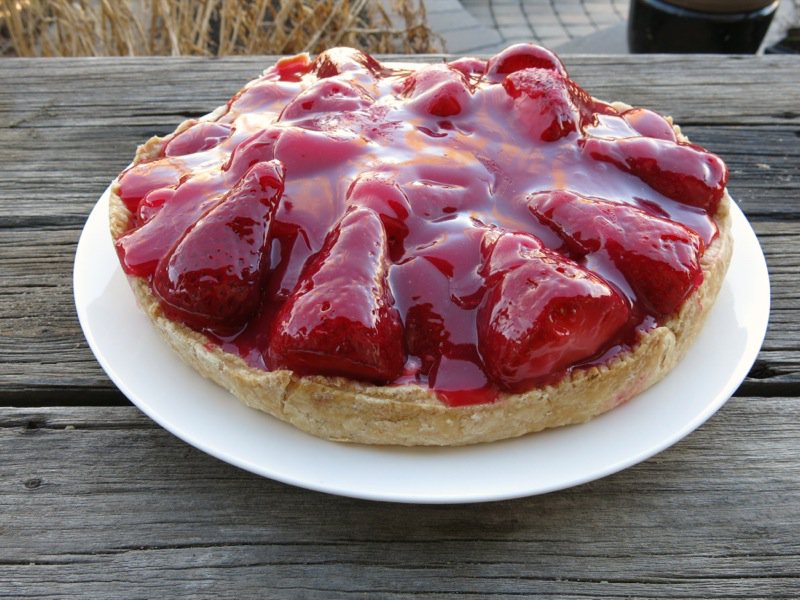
97,501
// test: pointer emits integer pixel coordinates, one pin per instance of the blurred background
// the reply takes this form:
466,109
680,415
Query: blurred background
224,27
211,27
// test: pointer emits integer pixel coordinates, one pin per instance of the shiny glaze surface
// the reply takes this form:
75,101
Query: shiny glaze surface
414,212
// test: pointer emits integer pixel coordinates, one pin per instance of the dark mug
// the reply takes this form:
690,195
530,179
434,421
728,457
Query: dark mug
704,26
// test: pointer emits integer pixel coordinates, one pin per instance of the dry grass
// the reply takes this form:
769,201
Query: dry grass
210,27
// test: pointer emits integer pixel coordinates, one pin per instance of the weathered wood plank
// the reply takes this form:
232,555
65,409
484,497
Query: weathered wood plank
713,88
92,498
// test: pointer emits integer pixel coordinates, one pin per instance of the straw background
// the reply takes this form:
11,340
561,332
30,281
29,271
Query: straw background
211,27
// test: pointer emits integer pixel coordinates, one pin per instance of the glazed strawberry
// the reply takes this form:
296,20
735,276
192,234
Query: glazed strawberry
340,320
522,56
438,90
470,67
291,68
304,151
547,104
388,200
542,314
138,181
212,278
326,96
264,96
649,124
165,223
300,151
152,203
683,172
660,259
197,138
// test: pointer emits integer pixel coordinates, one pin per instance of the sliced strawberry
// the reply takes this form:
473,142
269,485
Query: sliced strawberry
304,151
152,203
263,96
438,90
212,277
683,172
341,60
166,218
300,151
327,95
197,138
542,313
548,104
340,320
659,258
522,56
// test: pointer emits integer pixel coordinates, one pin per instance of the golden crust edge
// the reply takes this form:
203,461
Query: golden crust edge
344,410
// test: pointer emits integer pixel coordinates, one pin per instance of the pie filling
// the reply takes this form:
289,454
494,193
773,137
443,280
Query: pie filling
476,226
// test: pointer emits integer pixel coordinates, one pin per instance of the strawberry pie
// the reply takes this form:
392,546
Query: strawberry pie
425,254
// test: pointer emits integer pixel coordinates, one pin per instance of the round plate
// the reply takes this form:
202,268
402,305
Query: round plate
208,417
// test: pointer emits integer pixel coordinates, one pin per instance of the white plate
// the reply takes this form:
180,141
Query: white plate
207,417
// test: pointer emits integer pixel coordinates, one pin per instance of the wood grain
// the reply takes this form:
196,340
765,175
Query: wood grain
139,512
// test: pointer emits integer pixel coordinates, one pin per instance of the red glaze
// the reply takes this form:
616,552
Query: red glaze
437,293
422,213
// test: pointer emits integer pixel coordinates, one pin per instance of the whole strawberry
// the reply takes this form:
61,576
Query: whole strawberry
340,319
212,277
542,313
659,258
